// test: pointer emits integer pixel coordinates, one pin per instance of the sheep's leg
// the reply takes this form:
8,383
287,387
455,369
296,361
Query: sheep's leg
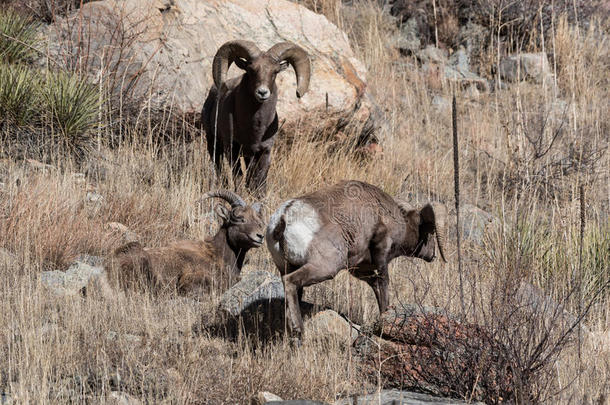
295,281
379,283
380,248
258,169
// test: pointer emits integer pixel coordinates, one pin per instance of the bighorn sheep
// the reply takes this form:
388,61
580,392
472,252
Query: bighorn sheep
239,115
190,264
351,225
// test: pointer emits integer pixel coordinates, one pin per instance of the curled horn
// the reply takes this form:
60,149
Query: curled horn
437,214
229,196
227,54
298,58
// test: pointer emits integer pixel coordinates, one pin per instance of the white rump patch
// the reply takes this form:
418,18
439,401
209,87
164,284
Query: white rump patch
302,223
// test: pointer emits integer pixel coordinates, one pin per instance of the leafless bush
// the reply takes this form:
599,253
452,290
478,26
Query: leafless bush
545,147
44,10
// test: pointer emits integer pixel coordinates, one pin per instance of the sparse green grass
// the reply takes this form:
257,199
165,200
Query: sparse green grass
19,94
73,104
18,37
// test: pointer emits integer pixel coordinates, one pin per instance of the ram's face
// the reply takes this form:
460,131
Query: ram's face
246,227
426,242
261,73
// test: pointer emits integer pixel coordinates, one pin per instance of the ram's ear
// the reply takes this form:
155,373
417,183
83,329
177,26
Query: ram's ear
242,63
223,212
284,65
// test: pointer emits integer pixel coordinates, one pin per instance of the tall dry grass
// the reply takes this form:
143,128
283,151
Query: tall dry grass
79,350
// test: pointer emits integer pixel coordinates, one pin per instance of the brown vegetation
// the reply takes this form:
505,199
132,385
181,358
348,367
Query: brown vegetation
63,351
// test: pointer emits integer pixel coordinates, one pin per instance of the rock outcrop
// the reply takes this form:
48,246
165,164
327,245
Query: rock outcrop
525,66
161,51
83,271
397,397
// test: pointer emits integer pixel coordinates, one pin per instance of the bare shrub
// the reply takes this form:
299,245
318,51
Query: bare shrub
544,146
44,10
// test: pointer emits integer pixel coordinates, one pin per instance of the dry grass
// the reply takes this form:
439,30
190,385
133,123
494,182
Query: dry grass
62,350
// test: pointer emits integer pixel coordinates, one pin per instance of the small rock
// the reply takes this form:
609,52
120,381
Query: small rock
127,234
296,402
253,288
460,60
525,66
473,37
94,261
458,69
79,178
122,398
534,300
432,54
94,197
72,281
255,305
329,325
263,397
441,104
408,40
474,223
7,259
396,397
129,338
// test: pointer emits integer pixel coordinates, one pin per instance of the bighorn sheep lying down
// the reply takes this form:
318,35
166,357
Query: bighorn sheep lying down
239,114
351,225
190,264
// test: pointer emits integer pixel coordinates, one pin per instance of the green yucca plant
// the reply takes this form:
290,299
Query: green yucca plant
18,37
19,89
73,105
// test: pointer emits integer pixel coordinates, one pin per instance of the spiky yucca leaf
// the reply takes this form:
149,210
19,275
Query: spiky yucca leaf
18,37
19,89
73,105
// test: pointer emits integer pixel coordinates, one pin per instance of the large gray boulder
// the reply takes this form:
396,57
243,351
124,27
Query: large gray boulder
455,68
253,306
475,224
161,51
73,281
396,397
525,66
254,288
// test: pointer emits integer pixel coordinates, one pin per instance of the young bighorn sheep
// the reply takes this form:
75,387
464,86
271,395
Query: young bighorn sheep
239,115
190,264
351,225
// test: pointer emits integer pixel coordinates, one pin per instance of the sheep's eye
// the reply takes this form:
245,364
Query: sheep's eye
238,219
283,65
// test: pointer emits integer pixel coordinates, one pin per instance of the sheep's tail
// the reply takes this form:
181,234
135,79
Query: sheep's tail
278,231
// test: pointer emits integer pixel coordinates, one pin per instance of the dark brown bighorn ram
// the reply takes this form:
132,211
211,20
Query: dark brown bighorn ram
239,115
189,264
351,225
